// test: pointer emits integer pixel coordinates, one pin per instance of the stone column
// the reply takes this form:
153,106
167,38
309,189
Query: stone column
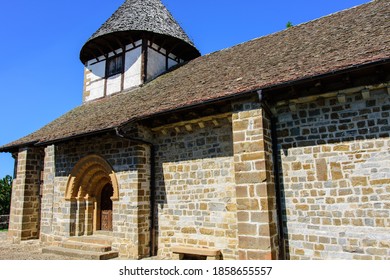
48,194
143,201
72,216
80,216
25,202
256,203
89,207
133,207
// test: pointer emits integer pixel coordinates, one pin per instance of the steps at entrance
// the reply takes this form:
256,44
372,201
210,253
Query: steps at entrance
94,247
93,239
80,254
85,246
103,233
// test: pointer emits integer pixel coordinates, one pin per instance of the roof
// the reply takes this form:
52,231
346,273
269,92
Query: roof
131,20
345,40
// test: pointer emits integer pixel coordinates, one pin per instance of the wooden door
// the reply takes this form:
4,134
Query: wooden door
106,208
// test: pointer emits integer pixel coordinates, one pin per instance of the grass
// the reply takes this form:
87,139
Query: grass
2,230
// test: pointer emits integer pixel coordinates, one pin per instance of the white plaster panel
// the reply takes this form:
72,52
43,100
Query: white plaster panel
132,68
97,71
96,90
156,64
171,63
114,84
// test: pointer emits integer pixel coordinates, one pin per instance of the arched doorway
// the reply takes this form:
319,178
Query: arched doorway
91,189
106,208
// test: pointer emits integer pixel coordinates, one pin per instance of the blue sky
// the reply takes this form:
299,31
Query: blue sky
41,75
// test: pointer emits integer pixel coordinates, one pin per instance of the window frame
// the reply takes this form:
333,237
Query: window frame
118,70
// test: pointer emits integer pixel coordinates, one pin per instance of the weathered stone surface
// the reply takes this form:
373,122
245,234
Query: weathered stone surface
257,234
215,188
342,211
25,204
195,188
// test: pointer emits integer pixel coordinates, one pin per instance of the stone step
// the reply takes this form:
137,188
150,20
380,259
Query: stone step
103,232
93,239
80,254
85,246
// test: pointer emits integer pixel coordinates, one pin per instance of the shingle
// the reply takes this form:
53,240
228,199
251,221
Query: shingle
141,15
341,41
149,15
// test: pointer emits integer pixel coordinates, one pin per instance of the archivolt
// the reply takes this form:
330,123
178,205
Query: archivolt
89,176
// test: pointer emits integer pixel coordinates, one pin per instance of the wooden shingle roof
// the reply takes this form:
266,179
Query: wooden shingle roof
342,41
135,18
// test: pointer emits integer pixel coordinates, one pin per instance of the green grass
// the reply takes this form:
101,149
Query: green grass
2,230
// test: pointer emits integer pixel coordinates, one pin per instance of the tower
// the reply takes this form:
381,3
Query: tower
140,41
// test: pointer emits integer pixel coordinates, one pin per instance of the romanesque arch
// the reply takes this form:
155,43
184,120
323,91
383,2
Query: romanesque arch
84,189
89,176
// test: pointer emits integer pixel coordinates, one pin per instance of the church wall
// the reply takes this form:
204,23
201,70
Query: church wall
254,180
132,169
215,182
335,175
25,201
195,189
48,195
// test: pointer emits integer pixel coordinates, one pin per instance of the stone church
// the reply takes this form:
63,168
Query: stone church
277,148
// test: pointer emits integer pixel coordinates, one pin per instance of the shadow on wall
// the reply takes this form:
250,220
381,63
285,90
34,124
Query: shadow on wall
327,121
194,179
190,153
85,166
326,143
187,162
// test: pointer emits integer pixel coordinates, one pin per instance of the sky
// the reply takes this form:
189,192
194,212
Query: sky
41,76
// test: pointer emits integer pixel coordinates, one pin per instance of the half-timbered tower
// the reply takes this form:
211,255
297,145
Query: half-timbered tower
140,41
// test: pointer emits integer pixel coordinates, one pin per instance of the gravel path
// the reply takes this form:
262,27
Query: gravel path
27,250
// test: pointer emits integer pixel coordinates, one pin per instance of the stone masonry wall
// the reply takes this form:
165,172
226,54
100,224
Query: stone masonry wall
195,188
25,202
47,195
254,179
335,168
130,162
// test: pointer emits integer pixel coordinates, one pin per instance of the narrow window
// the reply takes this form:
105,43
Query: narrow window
114,65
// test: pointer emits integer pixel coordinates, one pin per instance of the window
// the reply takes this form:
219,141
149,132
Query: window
114,65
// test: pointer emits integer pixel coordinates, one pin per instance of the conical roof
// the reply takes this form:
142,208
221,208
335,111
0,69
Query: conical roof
134,19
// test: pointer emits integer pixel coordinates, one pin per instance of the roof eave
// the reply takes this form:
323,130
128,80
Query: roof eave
17,147
319,76
99,46
222,97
